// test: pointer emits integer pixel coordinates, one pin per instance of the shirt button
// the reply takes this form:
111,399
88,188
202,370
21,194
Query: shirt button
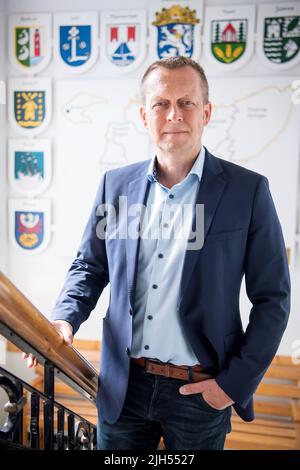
171,196
150,317
166,225
146,347
155,286
160,255
127,351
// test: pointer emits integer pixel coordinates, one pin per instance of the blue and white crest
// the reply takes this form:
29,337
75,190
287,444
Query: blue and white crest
124,42
29,165
75,44
175,39
29,224
177,29
75,37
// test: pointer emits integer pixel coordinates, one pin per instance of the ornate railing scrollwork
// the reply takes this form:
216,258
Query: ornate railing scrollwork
12,407
84,436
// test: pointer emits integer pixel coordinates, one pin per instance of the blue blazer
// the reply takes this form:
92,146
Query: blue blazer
242,237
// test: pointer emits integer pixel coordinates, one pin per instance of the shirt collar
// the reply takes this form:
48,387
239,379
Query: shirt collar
197,168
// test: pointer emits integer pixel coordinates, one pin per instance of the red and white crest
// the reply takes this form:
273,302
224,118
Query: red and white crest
124,38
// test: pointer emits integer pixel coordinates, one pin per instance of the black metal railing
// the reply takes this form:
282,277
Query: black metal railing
35,420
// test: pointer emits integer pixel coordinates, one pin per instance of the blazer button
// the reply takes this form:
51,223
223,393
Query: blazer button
127,351
130,311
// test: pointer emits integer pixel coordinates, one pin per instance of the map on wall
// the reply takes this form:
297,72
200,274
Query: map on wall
99,128
254,124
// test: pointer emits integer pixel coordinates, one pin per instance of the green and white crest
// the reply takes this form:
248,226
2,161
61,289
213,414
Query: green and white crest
229,35
29,42
278,35
281,38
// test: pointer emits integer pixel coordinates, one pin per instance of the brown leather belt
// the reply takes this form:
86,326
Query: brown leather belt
171,370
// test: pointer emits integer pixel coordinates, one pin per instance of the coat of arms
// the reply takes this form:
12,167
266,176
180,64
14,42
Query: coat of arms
29,45
278,35
175,31
30,104
29,108
30,41
281,38
29,165
29,229
29,224
229,36
75,44
75,38
123,45
228,39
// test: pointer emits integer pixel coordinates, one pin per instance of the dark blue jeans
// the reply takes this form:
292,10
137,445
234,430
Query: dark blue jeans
154,408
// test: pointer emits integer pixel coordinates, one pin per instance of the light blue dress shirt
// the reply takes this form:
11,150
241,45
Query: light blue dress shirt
157,329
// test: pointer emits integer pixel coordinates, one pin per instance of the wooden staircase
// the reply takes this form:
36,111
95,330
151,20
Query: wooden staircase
277,410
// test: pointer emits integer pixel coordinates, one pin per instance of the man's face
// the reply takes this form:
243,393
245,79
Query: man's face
174,112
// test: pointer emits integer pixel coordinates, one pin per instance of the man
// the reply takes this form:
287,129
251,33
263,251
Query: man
174,354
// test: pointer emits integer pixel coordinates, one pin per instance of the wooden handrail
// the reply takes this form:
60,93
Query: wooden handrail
19,315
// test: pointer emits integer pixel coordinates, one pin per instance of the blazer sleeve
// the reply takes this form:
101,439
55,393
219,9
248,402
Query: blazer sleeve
88,274
268,288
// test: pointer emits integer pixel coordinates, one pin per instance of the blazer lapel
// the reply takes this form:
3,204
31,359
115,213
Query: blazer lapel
211,189
137,194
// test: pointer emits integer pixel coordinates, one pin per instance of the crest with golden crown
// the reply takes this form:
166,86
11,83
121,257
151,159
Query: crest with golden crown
175,14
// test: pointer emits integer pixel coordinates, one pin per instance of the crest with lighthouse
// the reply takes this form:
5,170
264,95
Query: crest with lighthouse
30,44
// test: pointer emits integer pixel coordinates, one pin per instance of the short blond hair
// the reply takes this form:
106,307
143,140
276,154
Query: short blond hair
172,63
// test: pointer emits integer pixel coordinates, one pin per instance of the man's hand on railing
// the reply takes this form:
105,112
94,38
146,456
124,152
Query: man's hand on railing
64,329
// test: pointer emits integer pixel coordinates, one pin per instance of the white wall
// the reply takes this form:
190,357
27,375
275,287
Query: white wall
40,277
3,178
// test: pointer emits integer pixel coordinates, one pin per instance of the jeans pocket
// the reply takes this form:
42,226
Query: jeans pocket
206,405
